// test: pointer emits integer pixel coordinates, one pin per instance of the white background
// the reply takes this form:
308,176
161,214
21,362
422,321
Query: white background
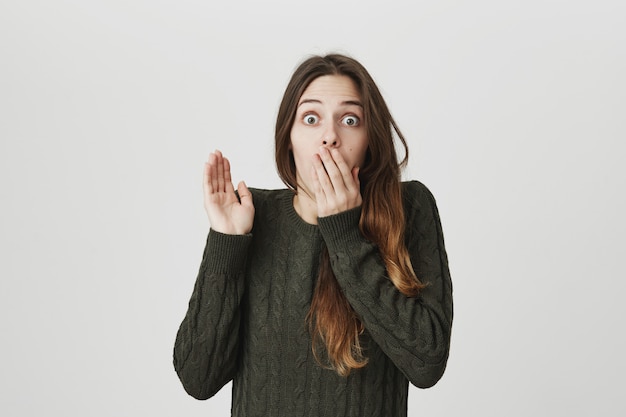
515,115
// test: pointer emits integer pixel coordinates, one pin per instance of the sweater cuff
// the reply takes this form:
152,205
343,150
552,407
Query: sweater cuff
226,253
341,228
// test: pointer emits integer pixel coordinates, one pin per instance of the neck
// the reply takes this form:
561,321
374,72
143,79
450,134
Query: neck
305,206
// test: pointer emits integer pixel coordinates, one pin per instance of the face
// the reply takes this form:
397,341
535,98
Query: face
329,114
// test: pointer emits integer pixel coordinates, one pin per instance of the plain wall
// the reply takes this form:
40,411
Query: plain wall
515,116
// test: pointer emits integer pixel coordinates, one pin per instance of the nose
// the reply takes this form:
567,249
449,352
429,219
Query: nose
330,137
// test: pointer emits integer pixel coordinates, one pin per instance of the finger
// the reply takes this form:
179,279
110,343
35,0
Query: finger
355,178
206,179
346,173
220,171
245,196
211,173
320,196
228,182
333,171
322,176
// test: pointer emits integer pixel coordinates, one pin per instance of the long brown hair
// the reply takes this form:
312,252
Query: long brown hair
332,321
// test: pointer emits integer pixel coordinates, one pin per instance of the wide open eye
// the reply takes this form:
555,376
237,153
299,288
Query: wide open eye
310,119
350,121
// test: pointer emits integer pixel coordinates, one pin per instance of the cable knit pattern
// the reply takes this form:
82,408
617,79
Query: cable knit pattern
246,316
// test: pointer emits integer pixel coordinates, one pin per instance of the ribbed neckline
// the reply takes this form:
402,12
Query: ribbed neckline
294,218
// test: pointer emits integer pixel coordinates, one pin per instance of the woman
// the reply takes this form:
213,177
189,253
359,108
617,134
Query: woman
328,297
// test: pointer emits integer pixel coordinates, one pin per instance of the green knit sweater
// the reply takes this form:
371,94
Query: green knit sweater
246,316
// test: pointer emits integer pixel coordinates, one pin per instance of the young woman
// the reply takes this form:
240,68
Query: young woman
329,297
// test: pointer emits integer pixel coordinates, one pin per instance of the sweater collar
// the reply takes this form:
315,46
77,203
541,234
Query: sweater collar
294,218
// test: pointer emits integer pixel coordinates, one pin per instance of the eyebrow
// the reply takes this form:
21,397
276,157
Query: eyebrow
347,102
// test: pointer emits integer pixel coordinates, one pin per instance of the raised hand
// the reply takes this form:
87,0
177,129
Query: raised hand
227,214
336,186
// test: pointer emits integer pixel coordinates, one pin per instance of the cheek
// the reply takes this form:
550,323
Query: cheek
357,154
298,141
302,156
300,152
303,147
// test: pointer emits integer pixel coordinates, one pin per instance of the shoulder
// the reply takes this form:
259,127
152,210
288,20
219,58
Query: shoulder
420,207
263,196
269,202
271,208
416,195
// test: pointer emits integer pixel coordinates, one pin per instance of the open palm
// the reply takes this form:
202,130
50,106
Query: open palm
227,213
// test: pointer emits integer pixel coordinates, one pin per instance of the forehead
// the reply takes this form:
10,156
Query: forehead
331,88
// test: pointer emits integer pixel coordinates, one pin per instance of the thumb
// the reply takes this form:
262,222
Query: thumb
245,196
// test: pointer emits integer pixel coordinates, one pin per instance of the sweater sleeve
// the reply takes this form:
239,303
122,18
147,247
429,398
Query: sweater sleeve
414,332
206,347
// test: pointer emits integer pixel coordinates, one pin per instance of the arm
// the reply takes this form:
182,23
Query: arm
205,351
413,332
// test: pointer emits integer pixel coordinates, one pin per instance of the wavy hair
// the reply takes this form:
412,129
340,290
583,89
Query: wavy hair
333,324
